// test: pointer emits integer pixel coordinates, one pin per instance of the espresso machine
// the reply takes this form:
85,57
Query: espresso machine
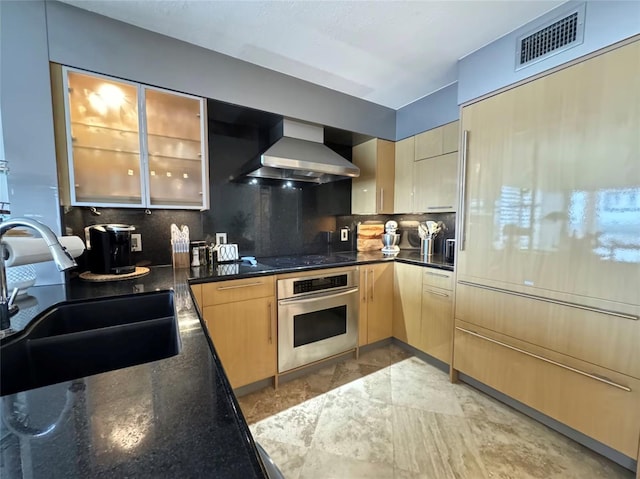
109,248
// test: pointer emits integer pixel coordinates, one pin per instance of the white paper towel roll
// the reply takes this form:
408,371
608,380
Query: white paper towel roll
35,250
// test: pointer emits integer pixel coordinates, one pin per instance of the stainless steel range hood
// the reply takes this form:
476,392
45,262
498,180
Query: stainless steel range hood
299,154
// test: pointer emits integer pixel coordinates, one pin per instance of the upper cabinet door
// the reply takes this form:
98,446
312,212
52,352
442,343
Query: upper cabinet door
372,191
450,137
553,184
404,176
429,144
124,144
103,140
174,139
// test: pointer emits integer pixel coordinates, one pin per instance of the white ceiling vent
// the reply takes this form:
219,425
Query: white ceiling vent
549,39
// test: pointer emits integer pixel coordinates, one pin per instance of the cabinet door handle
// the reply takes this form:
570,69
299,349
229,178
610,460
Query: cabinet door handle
381,200
436,293
270,322
569,304
440,207
439,275
248,285
366,285
373,284
550,361
463,192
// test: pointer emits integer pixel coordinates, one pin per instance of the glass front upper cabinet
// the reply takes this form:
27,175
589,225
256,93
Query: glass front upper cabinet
130,145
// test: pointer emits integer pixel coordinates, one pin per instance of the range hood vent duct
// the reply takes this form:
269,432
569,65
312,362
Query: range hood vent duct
298,153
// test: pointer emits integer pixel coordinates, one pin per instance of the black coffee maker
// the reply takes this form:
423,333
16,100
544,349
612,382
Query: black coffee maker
109,248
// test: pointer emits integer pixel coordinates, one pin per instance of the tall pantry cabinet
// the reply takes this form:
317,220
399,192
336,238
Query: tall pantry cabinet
548,269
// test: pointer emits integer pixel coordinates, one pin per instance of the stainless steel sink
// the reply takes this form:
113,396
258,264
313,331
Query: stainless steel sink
75,339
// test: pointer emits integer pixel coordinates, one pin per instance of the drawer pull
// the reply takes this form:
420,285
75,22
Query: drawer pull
439,275
436,293
248,285
633,317
270,322
550,361
439,207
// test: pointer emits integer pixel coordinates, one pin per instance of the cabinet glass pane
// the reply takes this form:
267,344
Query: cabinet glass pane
175,149
105,139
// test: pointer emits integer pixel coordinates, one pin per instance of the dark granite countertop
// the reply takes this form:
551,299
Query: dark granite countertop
222,272
176,417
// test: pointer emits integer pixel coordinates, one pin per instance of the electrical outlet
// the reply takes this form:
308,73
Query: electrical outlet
221,238
136,242
344,234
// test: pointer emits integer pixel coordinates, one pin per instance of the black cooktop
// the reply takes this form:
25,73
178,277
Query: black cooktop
304,260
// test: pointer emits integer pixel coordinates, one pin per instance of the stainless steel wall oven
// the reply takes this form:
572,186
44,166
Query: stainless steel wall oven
317,317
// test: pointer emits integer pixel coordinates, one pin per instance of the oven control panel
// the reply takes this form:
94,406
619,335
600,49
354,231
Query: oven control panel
325,280
319,284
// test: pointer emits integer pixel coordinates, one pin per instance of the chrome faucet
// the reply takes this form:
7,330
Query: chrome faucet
61,256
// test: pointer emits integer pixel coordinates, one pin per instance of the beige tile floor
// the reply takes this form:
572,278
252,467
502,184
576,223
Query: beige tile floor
390,415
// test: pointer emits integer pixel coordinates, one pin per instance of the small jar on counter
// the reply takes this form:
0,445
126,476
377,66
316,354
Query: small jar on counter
197,253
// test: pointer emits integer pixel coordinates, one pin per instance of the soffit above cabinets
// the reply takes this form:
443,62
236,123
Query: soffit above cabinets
387,52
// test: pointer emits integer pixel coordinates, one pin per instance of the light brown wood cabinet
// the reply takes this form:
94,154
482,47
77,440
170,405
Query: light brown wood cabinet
407,303
426,180
437,314
241,318
592,403
404,176
437,141
373,191
376,303
124,144
436,184
545,267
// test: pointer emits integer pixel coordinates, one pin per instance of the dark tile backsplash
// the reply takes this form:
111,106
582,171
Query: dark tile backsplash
264,220
351,222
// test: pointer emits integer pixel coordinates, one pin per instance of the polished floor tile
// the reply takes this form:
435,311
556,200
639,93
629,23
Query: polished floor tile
390,415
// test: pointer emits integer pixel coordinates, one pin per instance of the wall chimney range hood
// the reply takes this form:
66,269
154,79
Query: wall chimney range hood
299,154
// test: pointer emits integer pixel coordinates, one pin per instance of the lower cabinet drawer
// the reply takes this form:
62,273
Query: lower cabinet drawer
438,278
221,292
595,337
605,409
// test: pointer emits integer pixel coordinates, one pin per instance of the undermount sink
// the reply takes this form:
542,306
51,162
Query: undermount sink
75,339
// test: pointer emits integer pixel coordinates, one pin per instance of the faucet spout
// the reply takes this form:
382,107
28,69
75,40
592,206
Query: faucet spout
61,257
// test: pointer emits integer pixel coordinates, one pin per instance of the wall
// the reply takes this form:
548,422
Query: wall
493,66
86,40
263,219
27,125
433,110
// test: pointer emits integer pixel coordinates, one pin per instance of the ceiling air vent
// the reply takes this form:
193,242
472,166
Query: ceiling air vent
551,39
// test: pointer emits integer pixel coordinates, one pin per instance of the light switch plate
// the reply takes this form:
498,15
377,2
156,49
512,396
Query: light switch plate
344,234
136,242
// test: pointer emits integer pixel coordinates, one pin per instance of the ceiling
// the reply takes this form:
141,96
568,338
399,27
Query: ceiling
387,52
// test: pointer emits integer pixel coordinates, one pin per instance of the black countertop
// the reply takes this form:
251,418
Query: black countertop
176,417
222,272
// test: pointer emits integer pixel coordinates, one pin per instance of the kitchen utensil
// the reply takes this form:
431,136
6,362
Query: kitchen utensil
432,227
423,231
390,227
426,246
390,241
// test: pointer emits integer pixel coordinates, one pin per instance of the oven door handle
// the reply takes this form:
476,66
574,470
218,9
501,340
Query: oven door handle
320,297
